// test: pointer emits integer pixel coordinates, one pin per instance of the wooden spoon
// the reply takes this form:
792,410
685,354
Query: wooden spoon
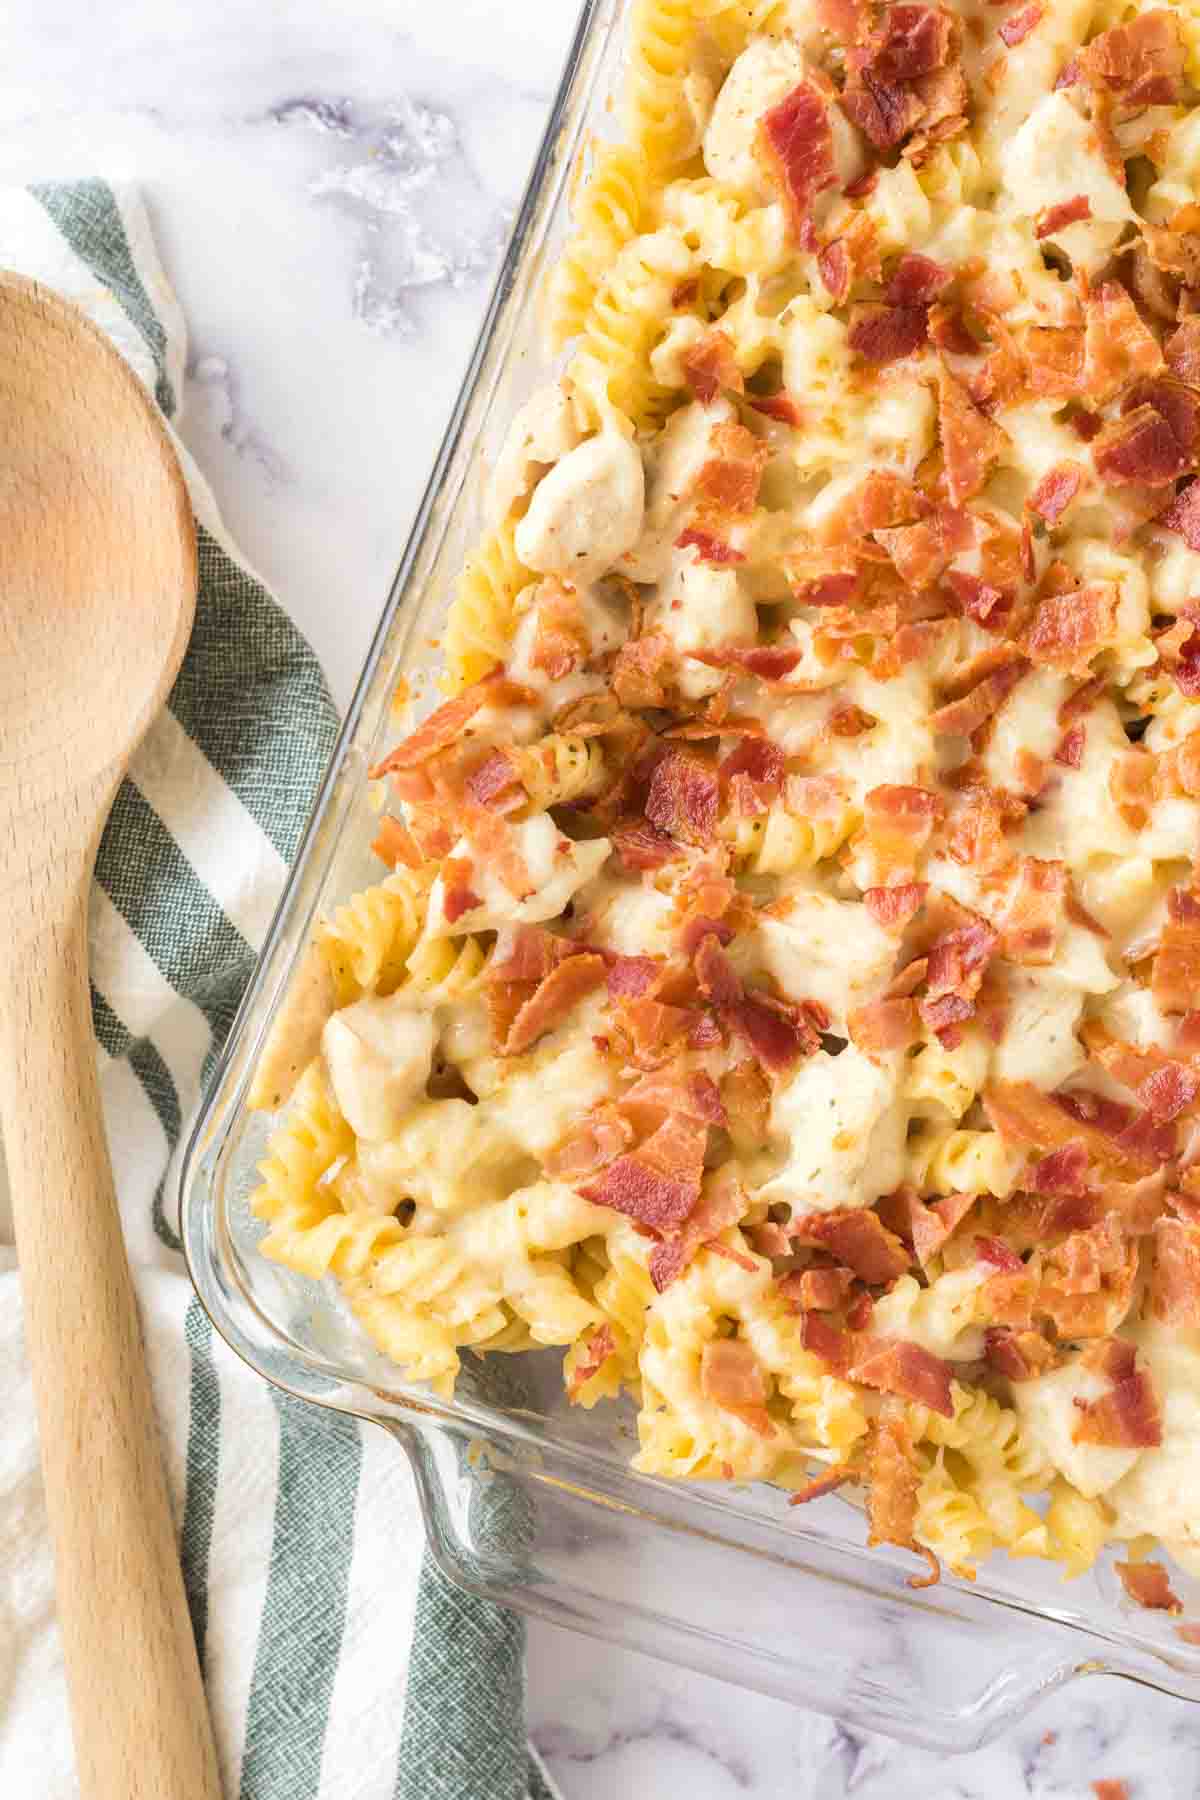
97,592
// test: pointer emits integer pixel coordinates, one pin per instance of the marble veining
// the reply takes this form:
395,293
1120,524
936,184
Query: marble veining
331,185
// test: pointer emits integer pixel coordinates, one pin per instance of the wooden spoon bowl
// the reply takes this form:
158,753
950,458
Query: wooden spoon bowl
97,594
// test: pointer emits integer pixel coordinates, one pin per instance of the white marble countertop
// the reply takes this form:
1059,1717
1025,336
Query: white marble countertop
330,184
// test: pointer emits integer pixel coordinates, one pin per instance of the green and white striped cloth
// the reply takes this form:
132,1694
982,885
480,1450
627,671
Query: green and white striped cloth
340,1664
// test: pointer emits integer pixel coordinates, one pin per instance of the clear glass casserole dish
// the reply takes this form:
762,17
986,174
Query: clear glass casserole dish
529,1500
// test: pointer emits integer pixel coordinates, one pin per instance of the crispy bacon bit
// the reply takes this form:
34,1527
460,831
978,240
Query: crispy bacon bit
553,1000
684,797
884,334
1070,747
963,716
1118,346
754,774
1140,447
599,1139
1017,27
496,783
441,729
640,846
978,598
1149,1585
659,1183
632,976
820,1485
1176,981
1053,219
769,662
1175,1276
897,1367
1142,61
894,907
1183,514
1035,912
900,79
779,406
710,548
926,1226
720,1205
394,844
1024,1115
1056,490
1020,1355
1182,351
970,441
856,1237
894,1476
795,139
1067,629
600,1346
826,1341
1127,1417
820,1290
561,638
711,365
1064,1171
899,822
917,280
637,672
732,1376
458,896
885,1025
833,262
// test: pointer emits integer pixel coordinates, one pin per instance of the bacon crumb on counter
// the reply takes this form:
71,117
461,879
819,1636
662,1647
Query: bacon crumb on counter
1149,1585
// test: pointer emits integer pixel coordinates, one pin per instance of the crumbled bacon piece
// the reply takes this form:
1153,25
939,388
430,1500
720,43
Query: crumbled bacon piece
1056,490
1127,1417
732,1376
721,1204
1064,1171
856,1237
640,846
894,907
1142,62
1020,1355
632,976
885,334
970,441
1053,219
1118,346
709,547
961,717
927,1226
1176,980
1067,630
1017,27
443,727
820,1485
1183,514
1035,912
1175,1276
554,998
753,773
795,139
917,280
826,1341
894,1478
684,797
768,662
711,366
898,1367
1024,1115
886,1024
1140,447
637,672
659,1183
899,823
394,844
779,406
496,783
600,1137
561,639
833,263
600,1346
1149,1585
820,1290
1182,351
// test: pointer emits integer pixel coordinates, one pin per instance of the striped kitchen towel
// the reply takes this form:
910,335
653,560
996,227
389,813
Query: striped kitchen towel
340,1664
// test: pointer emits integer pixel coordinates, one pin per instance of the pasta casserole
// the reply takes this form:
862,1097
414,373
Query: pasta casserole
780,994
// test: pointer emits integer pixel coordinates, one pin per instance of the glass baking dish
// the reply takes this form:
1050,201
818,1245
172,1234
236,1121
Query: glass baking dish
526,1499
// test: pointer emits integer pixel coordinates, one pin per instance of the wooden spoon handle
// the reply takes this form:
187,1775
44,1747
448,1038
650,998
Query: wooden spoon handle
137,1702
